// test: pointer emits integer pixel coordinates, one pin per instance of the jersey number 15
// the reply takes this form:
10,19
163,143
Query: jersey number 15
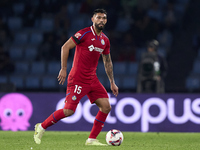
77,89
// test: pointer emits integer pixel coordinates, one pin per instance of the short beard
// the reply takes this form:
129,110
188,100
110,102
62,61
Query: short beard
99,28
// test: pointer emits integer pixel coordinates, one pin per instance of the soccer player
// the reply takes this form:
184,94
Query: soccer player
82,80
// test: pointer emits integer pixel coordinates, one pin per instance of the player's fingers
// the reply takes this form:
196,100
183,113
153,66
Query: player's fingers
59,77
63,81
60,80
115,92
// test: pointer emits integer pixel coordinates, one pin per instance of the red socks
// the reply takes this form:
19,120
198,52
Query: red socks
98,124
53,118
59,114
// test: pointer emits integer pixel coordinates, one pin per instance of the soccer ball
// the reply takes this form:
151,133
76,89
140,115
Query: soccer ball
114,137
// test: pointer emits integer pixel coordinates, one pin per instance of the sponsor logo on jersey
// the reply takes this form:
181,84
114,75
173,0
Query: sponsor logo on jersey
102,42
93,39
91,48
74,97
77,35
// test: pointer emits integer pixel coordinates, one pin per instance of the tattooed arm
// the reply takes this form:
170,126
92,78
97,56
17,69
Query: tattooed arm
108,67
109,71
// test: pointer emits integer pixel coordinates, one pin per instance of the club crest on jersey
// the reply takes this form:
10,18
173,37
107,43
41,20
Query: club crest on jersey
102,42
77,35
74,97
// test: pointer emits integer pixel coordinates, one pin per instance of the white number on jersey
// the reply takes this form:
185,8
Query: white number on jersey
77,89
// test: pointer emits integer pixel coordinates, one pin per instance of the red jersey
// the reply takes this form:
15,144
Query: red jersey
89,47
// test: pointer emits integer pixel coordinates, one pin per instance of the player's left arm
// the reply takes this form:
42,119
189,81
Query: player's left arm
109,71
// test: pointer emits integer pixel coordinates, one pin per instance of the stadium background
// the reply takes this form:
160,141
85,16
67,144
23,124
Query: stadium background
32,33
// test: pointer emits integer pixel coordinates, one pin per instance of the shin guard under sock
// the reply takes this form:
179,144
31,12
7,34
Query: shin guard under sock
53,118
98,124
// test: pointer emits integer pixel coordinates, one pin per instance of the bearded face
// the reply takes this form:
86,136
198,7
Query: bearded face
100,26
99,20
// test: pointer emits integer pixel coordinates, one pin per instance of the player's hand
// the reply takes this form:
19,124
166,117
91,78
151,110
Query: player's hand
62,76
114,88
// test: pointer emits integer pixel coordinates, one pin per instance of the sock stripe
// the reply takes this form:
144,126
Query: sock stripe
54,118
67,94
99,120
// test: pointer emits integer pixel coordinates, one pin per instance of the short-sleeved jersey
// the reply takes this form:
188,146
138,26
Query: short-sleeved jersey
89,47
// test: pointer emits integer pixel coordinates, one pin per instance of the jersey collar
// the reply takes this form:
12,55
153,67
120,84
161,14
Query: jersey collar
94,33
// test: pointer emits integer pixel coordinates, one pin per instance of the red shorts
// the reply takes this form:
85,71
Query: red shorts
77,90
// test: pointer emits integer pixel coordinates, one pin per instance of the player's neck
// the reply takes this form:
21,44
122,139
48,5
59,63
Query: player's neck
98,32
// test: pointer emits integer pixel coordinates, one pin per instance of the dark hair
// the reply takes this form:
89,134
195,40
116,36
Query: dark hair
99,11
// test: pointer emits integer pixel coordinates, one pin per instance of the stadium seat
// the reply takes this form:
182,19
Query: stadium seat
118,81
162,52
165,39
139,52
36,38
180,9
182,1
18,8
16,53
129,82
78,23
30,53
49,82
47,24
196,67
69,66
18,81
100,69
106,83
122,22
62,87
102,79
38,68
120,68
32,82
3,79
7,87
162,3
21,38
132,68
192,83
71,7
14,23
53,68
198,54
21,67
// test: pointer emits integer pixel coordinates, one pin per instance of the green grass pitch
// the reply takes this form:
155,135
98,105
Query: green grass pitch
55,140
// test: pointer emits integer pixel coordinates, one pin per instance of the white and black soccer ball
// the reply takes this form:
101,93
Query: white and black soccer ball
114,137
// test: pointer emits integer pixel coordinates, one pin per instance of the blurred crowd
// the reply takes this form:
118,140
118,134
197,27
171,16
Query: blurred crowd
131,24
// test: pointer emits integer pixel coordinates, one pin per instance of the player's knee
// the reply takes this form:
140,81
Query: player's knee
107,109
68,112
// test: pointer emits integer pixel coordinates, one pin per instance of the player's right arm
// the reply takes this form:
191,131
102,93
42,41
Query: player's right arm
64,56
